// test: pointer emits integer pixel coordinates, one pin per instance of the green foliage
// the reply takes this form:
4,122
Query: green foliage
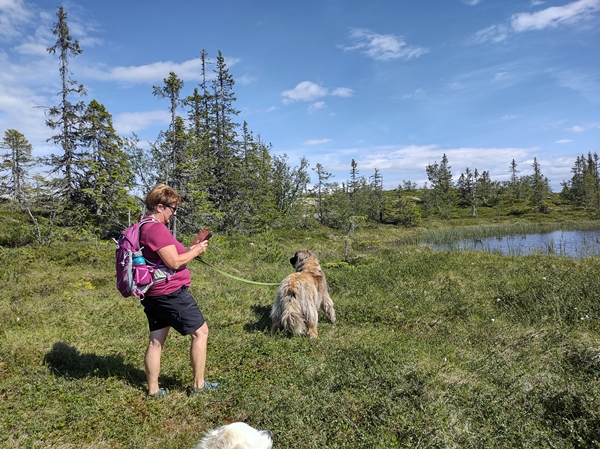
15,164
402,210
228,179
439,198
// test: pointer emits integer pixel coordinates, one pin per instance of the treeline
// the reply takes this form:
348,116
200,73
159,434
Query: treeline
229,179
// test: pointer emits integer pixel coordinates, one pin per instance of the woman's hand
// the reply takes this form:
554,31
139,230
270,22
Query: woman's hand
173,260
200,247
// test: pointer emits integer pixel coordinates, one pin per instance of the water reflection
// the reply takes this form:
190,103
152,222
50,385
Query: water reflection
574,244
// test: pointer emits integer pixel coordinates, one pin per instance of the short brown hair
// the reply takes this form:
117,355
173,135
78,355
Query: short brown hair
162,194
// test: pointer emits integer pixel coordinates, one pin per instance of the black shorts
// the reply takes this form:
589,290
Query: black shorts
177,310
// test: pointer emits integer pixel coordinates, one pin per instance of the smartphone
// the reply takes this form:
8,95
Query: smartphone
202,235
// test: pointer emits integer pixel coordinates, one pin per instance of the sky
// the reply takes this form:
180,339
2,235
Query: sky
392,84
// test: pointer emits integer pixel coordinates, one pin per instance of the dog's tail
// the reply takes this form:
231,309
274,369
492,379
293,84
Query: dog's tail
288,316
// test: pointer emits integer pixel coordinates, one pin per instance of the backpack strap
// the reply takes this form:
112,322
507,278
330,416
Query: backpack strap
161,271
142,223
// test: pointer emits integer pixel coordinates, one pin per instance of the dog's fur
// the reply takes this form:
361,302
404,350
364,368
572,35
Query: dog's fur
300,296
237,435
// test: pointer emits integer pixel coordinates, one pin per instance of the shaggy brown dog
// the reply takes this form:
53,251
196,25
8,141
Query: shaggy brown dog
300,296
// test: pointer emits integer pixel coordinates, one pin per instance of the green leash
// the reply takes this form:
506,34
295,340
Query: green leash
234,277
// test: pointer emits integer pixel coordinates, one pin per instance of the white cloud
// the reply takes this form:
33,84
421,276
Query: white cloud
132,122
564,141
494,33
471,2
576,129
342,92
304,91
316,106
417,94
246,79
409,163
13,15
382,47
414,156
316,141
150,73
309,91
555,16
584,82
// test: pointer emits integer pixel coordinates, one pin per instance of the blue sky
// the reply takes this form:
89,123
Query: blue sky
392,84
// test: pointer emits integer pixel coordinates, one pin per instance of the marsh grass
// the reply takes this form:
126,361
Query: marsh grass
431,349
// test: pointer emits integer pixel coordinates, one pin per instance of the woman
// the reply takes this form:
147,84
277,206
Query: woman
168,304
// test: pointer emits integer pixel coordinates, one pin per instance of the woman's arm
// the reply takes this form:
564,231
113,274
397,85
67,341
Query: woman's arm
173,260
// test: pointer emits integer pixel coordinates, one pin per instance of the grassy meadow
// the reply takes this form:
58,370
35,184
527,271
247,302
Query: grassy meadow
432,349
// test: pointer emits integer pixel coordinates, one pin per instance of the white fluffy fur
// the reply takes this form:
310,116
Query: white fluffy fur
237,435
300,296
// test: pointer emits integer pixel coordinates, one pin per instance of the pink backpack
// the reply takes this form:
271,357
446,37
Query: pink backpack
136,280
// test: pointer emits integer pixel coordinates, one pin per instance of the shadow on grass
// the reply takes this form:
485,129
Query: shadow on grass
263,322
67,361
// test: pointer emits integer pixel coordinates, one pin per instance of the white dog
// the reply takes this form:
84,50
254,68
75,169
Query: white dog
237,435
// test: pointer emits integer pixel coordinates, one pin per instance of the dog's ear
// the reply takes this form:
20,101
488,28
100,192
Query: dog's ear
294,260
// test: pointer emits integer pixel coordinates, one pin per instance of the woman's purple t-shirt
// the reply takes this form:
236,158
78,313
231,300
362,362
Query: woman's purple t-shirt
154,236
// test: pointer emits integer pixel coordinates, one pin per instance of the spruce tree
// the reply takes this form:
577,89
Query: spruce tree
66,116
320,189
467,187
354,181
225,165
288,184
104,191
174,148
540,188
376,187
15,165
440,194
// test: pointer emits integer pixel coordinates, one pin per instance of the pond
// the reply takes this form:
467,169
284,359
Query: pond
574,244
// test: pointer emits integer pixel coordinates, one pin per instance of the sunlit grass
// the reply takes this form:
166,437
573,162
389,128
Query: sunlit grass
431,349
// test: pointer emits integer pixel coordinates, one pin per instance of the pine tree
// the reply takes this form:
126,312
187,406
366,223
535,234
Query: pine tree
15,165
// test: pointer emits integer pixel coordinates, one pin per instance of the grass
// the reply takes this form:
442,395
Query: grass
431,349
